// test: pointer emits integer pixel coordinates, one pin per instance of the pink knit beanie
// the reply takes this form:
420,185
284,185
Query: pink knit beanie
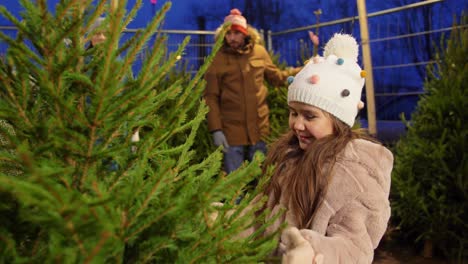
238,22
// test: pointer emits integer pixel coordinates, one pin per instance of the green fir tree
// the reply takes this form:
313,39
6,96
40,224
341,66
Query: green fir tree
74,187
430,178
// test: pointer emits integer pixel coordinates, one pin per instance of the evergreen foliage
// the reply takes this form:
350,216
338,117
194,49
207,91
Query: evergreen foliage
430,178
203,141
74,188
277,102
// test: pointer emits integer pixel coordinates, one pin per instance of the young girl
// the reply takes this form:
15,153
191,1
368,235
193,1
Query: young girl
334,182
98,37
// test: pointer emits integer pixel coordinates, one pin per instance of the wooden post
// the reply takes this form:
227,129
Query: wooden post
367,60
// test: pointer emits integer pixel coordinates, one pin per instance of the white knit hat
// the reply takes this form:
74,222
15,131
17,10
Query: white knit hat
333,82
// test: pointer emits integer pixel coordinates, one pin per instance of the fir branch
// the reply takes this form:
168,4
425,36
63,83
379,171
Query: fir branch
144,37
102,199
18,106
153,187
151,254
199,75
208,162
150,223
97,12
194,125
153,59
33,192
36,32
162,70
8,241
146,201
122,176
105,78
132,13
104,237
64,9
21,49
74,234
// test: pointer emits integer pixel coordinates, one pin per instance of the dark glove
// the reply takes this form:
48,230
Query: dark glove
219,139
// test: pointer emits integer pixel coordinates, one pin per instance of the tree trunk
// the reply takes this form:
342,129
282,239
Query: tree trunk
428,249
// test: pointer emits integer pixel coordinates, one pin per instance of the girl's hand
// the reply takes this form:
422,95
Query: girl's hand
297,250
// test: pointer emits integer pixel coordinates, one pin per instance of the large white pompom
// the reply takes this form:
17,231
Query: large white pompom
343,46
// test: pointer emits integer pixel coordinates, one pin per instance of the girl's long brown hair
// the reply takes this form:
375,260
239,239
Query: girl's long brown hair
306,173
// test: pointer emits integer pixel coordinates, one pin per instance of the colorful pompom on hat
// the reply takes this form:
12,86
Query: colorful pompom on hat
333,82
238,22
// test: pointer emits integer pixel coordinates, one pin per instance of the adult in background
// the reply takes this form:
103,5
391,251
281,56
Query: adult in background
236,94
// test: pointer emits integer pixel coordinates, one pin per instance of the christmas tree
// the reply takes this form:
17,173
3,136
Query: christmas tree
75,185
430,177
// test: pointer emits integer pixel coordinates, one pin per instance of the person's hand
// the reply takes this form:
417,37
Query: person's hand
297,250
211,219
212,216
219,139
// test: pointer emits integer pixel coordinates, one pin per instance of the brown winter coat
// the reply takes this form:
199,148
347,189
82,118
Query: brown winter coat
236,94
352,219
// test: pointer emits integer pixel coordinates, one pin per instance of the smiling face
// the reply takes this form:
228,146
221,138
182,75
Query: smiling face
309,123
235,39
